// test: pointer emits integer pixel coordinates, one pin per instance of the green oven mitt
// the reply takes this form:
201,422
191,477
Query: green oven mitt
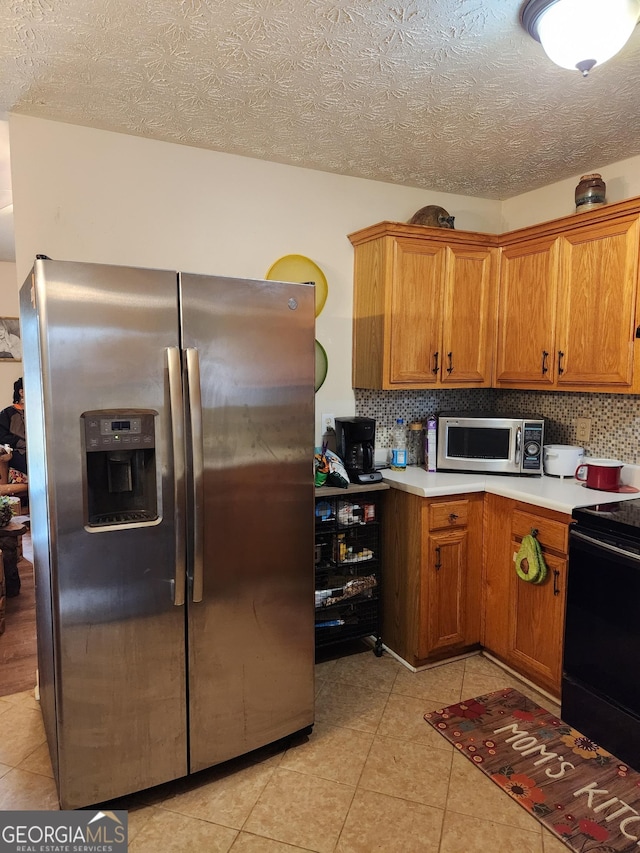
530,564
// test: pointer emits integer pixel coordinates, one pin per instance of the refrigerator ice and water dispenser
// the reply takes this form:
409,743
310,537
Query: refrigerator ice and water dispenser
120,468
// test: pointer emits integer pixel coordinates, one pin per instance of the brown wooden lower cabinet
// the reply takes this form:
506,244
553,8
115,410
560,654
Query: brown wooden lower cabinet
523,623
451,584
433,569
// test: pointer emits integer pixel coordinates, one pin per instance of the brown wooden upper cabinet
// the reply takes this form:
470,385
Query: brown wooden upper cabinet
424,306
567,308
552,306
526,341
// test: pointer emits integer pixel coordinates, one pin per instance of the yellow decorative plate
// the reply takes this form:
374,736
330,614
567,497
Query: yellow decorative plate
322,365
298,268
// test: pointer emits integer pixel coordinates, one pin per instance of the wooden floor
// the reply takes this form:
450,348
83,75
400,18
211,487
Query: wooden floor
18,657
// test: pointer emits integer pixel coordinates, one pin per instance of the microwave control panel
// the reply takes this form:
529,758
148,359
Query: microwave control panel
532,446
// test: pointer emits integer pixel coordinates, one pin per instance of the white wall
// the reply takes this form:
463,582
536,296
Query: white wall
9,307
555,200
89,195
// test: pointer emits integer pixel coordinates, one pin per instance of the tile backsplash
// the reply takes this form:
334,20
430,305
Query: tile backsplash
615,418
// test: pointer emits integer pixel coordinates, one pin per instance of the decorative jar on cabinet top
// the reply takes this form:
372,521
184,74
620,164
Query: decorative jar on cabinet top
590,192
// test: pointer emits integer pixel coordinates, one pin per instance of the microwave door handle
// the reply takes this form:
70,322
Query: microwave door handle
197,456
518,445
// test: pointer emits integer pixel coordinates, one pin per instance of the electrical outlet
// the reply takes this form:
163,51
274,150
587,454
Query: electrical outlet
583,429
328,423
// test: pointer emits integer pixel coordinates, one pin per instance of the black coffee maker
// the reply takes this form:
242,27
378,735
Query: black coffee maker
355,445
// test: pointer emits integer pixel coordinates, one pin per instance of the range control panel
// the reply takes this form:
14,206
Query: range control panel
123,429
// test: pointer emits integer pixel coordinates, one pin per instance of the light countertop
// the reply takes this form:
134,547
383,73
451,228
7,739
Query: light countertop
562,495
351,490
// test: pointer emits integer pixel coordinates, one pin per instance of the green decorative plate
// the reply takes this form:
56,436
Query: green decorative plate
322,365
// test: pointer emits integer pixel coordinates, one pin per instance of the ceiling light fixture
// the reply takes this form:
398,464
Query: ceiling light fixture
580,34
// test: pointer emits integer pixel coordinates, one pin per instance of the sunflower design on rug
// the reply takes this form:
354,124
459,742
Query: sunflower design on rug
583,746
523,789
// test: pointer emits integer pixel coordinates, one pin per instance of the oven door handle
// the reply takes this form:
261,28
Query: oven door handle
605,546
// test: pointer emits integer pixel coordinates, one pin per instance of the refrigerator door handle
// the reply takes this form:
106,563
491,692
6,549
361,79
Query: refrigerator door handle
197,456
177,437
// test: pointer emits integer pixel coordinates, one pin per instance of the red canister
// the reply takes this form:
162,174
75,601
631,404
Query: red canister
602,474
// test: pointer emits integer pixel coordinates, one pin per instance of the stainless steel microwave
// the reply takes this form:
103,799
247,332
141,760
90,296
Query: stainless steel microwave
493,444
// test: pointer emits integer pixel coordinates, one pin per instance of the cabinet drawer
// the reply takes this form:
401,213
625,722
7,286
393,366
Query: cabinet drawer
551,534
449,514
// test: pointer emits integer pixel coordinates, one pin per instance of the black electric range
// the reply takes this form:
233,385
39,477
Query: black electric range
617,517
600,690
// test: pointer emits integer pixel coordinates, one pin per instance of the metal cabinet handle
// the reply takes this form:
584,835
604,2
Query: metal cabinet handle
545,356
197,455
450,357
438,564
560,357
452,517
177,439
435,363
556,588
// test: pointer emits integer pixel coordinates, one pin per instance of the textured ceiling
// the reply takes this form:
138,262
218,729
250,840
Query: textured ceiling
449,95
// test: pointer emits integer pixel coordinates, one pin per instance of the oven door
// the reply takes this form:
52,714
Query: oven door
600,688
467,444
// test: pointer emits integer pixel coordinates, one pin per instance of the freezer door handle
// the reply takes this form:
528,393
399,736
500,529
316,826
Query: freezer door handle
177,437
197,457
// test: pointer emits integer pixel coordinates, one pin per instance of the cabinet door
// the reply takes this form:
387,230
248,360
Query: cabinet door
443,591
371,276
468,321
496,569
527,314
596,305
415,313
537,626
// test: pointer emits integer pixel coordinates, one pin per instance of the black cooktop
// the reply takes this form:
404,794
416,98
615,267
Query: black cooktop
617,517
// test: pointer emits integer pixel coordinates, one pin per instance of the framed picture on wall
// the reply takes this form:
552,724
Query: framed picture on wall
10,341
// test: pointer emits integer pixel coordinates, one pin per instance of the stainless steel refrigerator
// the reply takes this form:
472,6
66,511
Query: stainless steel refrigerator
170,445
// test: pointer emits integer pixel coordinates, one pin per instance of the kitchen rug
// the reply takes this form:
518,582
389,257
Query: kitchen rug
579,791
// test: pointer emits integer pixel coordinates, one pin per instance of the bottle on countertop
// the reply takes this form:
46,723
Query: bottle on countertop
415,449
430,444
399,446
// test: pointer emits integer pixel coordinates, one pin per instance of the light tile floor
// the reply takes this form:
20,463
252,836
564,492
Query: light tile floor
373,776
